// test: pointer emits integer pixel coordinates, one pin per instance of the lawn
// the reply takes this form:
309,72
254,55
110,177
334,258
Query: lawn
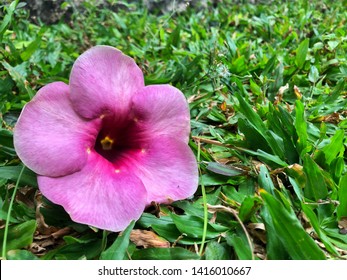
266,86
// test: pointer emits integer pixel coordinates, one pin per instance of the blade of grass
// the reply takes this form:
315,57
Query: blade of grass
204,201
9,213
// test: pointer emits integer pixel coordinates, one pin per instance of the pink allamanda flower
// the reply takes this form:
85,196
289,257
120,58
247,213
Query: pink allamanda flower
106,146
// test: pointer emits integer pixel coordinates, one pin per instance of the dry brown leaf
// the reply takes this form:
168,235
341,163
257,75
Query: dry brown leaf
332,118
257,230
343,225
61,232
148,239
297,92
279,95
42,227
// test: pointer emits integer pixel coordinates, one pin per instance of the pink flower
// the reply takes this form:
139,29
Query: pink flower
105,146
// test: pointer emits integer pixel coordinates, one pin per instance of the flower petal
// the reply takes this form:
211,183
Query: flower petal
103,80
167,168
162,110
49,137
98,195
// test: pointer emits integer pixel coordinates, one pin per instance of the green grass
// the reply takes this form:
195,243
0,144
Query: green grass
267,93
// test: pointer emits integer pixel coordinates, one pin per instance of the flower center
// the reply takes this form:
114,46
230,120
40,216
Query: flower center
118,139
106,143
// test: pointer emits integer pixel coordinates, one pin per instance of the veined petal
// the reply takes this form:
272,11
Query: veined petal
49,137
104,80
167,167
162,110
99,195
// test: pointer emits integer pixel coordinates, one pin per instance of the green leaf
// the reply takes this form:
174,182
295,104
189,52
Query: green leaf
118,250
217,251
317,228
332,150
76,251
249,207
270,65
20,255
267,158
255,88
34,45
213,179
12,173
301,53
250,114
172,234
193,226
8,18
19,236
342,208
265,181
226,170
253,136
240,244
301,127
18,78
338,89
315,187
313,76
281,122
274,246
299,245
148,220
164,254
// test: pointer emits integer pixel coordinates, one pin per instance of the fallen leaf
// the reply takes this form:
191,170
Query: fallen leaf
148,239
297,92
343,225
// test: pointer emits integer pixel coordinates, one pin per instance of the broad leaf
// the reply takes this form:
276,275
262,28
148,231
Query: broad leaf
299,245
118,250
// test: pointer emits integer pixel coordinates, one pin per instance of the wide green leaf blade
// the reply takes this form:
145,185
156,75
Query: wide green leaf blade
217,251
19,236
12,173
164,254
315,187
118,250
274,246
222,169
301,53
299,245
342,208
301,127
238,241
332,150
20,255
320,232
193,226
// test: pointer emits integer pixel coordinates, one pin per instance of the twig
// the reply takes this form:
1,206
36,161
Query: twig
222,208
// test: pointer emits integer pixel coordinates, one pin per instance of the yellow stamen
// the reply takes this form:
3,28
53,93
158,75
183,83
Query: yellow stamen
88,151
107,143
